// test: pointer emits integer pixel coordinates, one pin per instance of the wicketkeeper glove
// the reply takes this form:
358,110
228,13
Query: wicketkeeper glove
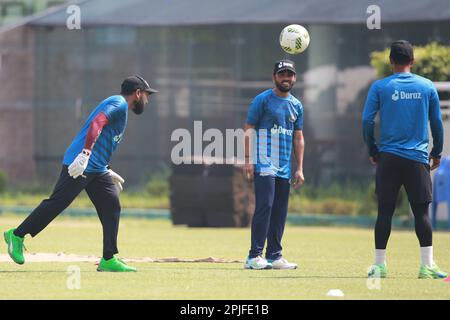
118,180
80,164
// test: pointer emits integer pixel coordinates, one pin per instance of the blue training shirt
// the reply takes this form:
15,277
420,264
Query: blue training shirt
406,103
115,109
275,119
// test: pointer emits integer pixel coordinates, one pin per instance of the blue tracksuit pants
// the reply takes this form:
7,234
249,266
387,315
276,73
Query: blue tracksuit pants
269,219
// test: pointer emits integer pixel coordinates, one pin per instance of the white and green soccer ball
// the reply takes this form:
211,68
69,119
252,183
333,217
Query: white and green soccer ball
294,39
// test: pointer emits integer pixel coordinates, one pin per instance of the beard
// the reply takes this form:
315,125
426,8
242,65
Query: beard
138,107
282,88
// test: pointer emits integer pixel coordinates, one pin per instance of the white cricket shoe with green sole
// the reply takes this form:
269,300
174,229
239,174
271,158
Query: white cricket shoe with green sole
282,264
257,263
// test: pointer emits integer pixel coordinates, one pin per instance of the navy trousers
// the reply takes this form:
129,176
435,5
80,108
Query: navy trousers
269,219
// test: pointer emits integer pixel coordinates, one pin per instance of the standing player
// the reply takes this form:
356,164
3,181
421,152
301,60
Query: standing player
277,117
85,166
406,103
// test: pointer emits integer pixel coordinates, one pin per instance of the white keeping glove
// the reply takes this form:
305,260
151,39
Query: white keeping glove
118,180
80,163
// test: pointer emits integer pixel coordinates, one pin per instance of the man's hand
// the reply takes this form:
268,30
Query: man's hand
298,179
374,159
80,163
249,171
118,180
435,162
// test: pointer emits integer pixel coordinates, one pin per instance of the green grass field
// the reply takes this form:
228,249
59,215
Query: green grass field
328,258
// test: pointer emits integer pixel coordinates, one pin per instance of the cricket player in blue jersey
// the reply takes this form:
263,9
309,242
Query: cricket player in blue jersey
406,103
85,167
276,117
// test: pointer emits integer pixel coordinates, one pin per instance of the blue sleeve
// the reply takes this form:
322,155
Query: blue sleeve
437,129
256,110
371,109
298,124
113,111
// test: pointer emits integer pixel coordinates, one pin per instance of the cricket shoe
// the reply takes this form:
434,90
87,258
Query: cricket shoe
257,263
114,265
15,246
377,271
282,263
433,272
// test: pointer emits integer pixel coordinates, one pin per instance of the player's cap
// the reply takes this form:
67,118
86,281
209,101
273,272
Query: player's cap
401,52
284,65
130,84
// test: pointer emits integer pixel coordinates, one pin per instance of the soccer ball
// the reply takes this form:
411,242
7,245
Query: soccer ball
294,39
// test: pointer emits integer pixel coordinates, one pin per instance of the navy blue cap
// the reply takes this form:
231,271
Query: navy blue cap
130,84
284,64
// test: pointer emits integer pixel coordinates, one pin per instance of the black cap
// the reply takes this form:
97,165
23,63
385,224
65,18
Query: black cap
284,65
401,52
131,84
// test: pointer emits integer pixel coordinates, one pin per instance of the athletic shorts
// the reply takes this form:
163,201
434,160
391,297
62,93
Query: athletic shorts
394,171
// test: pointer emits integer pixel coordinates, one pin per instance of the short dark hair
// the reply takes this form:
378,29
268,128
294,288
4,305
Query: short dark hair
127,91
402,52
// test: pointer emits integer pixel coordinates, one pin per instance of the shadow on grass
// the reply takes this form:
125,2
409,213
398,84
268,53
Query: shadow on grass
312,277
41,271
334,277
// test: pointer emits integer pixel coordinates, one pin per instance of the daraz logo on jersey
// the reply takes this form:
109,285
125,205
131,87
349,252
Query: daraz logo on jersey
406,95
280,130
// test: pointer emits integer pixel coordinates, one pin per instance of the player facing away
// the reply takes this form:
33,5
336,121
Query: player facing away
85,167
406,103
277,118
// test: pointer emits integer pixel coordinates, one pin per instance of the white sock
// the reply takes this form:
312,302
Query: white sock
380,256
426,255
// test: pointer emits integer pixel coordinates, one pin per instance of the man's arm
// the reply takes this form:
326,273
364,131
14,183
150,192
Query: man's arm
80,163
248,150
371,108
437,129
94,131
299,150
254,115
